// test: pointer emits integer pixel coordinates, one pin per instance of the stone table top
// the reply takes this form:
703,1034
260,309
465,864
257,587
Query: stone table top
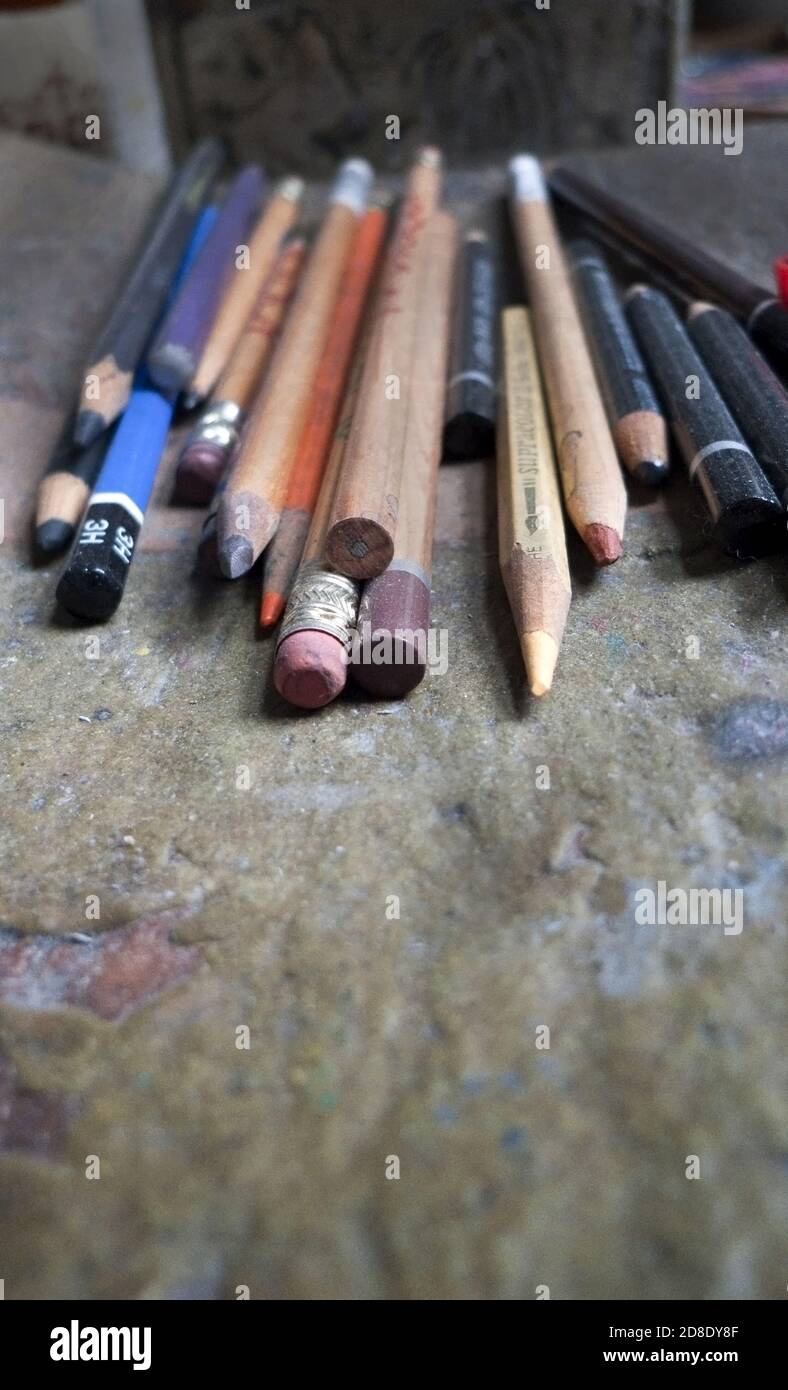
248,958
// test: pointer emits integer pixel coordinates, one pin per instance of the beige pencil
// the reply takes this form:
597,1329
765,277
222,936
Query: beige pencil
531,539
360,541
590,474
245,287
250,508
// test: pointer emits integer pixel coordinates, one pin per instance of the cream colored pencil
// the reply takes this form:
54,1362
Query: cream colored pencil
593,487
531,539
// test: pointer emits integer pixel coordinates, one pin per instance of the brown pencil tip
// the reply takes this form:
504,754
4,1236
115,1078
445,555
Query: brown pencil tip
540,654
236,557
271,609
603,542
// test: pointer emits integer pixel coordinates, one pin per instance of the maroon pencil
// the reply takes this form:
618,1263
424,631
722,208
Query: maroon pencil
178,346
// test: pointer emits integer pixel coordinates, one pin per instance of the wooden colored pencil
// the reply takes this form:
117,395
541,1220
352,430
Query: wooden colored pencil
109,375
592,483
310,668
633,411
284,553
693,266
65,488
390,656
245,287
252,502
360,541
211,444
746,514
532,543
472,388
173,358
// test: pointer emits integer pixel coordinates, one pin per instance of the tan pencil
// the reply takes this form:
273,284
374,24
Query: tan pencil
311,662
531,539
245,287
590,474
252,503
360,541
390,659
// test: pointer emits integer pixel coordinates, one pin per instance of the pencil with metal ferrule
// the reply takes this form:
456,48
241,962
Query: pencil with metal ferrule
284,553
213,439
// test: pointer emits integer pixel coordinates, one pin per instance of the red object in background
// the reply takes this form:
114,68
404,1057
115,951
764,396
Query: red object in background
781,276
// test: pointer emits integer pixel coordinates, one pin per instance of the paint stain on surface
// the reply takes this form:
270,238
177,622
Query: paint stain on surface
33,1122
110,975
751,729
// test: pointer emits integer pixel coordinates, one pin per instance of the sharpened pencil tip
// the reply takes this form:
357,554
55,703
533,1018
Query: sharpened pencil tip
540,654
236,557
603,542
190,399
271,609
88,426
653,471
54,535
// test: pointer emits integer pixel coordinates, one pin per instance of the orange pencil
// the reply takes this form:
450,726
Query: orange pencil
284,552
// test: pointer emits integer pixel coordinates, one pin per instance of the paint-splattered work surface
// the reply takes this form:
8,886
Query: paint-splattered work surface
328,943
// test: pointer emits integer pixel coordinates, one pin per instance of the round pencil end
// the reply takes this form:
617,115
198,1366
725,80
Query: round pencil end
54,535
389,658
92,595
359,548
310,669
603,542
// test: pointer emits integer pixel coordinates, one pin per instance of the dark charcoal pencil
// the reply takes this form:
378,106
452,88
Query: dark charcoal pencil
634,413
471,399
692,266
173,359
745,510
108,378
65,488
756,398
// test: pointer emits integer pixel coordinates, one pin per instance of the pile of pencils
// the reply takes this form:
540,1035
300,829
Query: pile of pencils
332,372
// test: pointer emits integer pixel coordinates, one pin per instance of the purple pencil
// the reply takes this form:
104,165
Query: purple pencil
179,343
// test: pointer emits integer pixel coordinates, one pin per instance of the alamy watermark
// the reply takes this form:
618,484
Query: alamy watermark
697,125
400,646
690,907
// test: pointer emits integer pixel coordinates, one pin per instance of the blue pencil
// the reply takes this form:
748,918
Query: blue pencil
93,581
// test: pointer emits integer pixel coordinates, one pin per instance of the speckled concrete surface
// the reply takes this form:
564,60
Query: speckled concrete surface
268,906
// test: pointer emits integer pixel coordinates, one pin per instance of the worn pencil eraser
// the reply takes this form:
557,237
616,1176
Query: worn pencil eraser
389,658
310,668
199,470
